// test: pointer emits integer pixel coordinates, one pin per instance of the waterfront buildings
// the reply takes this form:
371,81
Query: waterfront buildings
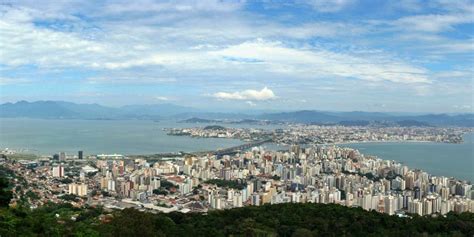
318,174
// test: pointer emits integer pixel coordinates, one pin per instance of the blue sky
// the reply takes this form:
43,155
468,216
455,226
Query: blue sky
344,55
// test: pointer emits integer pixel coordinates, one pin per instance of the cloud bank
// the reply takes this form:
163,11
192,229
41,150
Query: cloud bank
249,95
409,55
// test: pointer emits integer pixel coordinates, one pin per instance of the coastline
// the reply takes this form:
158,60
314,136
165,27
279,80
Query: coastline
400,141
391,141
439,159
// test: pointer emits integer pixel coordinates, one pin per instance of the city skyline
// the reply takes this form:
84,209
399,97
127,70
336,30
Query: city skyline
395,56
236,118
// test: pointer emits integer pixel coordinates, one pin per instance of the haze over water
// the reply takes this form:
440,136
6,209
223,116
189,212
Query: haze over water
147,137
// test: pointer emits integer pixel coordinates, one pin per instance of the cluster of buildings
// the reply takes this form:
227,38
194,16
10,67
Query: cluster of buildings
319,174
245,134
317,134
49,179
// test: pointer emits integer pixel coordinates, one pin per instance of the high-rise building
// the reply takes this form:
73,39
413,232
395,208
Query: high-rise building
185,187
111,185
237,200
255,199
296,150
62,156
80,155
390,205
366,202
416,207
445,207
78,189
58,171
155,182
444,193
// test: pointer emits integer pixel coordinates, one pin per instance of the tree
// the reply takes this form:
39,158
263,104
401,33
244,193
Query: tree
302,232
5,194
160,192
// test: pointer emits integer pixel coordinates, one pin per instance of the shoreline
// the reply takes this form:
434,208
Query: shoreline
393,141
21,151
273,146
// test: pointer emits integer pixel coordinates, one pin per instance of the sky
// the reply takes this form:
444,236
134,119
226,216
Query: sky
339,55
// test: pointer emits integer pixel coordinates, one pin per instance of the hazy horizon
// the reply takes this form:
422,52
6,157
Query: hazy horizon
243,110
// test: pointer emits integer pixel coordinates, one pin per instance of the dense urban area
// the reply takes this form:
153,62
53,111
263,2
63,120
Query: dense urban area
236,118
319,134
312,171
256,176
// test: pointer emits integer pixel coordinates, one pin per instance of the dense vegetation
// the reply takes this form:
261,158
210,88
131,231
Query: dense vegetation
214,127
5,193
268,220
227,183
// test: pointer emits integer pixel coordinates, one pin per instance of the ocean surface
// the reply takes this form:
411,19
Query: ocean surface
452,160
125,137
46,137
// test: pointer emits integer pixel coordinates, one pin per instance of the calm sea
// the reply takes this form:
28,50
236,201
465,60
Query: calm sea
101,136
147,137
456,160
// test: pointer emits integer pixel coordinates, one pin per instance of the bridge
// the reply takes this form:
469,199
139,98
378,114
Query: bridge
234,149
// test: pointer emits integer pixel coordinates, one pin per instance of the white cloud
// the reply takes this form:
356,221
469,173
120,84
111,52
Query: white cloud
12,81
124,79
49,48
23,43
455,6
463,107
432,22
162,98
324,29
209,44
250,95
180,6
408,5
54,49
277,58
456,74
250,103
330,5
141,42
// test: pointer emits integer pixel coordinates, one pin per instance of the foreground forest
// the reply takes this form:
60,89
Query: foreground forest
268,220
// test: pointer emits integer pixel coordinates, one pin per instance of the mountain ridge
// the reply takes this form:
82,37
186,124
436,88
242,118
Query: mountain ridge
48,109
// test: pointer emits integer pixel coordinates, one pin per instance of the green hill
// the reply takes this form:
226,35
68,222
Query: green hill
267,220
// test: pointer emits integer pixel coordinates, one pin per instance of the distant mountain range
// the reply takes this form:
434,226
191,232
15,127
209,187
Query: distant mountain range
68,110
360,118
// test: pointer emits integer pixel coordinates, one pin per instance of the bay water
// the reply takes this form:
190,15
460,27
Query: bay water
127,137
